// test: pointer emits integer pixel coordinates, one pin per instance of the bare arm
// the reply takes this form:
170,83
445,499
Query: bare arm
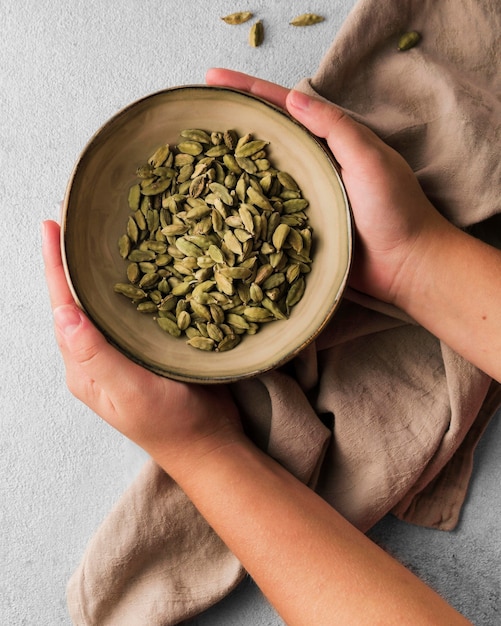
313,565
411,256
454,289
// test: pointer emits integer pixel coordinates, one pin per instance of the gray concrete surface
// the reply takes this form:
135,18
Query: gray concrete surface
65,68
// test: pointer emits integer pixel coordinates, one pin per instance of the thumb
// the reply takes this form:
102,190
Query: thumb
348,140
84,348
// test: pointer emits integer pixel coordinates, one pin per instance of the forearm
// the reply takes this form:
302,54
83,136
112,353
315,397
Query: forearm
453,288
313,566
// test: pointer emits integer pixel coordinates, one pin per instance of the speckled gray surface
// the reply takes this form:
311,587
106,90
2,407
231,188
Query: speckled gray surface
66,67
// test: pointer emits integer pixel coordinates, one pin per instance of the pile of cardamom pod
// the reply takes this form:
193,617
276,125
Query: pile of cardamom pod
217,240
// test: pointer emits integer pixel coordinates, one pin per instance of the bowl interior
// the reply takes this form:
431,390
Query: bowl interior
95,211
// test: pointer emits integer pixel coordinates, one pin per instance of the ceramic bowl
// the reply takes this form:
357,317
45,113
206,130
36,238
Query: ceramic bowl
95,213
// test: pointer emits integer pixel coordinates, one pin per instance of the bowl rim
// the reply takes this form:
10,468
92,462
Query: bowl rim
166,372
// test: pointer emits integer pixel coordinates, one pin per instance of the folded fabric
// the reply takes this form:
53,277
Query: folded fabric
378,415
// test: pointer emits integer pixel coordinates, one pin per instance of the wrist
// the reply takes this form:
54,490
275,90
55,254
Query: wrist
422,265
188,459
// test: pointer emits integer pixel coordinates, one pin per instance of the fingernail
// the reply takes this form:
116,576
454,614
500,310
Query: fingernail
299,100
67,318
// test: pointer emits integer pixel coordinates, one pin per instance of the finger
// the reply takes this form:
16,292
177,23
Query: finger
89,361
59,291
87,351
347,138
261,88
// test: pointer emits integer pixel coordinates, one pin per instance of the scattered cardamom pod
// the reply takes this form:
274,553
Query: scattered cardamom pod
238,17
307,19
408,40
256,34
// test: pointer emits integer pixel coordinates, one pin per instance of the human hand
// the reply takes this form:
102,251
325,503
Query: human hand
394,221
175,423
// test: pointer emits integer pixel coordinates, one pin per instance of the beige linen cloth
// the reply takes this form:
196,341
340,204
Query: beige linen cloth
378,415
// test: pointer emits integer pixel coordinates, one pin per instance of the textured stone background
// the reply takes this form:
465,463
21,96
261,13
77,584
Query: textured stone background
65,68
